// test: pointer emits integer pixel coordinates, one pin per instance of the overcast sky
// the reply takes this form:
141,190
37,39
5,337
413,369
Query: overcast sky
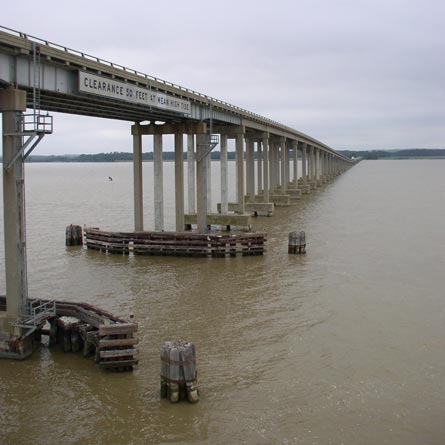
359,74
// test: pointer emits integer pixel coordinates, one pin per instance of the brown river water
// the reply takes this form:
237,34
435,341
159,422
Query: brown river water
344,345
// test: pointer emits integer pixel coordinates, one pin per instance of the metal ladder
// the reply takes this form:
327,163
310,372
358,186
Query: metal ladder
213,138
32,126
36,78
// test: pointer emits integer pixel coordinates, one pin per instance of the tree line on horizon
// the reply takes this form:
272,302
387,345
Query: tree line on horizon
119,156
396,154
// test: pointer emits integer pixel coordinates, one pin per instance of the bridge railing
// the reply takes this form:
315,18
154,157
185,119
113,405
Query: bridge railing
206,99
41,123
133,71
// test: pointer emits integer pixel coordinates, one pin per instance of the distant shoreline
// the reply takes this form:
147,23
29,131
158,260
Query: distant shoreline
168,156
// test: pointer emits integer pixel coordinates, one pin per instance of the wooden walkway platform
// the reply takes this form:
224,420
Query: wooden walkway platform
176,244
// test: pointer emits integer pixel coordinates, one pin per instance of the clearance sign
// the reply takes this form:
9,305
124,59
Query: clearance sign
102,86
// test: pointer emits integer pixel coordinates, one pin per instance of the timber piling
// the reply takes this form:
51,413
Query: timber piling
73,235
178,371
297,242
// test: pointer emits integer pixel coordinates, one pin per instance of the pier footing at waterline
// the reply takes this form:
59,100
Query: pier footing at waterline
75,327
254,208
12,343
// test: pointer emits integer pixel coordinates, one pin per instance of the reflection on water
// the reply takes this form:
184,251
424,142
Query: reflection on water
342,345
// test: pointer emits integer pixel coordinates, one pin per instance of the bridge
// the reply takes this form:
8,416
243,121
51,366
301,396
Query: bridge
44,77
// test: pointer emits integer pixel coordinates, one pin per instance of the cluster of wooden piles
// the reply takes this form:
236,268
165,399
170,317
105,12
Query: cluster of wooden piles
297,242
84,327
175,244
178,371
73,235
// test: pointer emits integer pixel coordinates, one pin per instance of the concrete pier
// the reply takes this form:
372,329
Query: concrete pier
295,150
201,183
191,173
259,167
12,344
312,181
137,178
271,166
158,186
239,144
224,176
179,181
305,187
317,166
208,160
265,142
283,184
250,170
286,165
178,130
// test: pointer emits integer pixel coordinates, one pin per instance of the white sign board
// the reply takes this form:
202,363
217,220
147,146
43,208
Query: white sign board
102,86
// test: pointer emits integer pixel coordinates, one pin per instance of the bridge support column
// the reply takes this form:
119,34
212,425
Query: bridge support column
277,155
317,165
191,173
239,146
12,104
312,180
250,170
247,169
137,179
179,181
259,164
295,150
273,167
310,166
305,187
329,166
209,181
224,176
283,165
287,168
201,182
266,167
158,185
323,167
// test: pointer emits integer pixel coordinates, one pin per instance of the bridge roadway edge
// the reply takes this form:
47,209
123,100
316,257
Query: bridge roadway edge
16,45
